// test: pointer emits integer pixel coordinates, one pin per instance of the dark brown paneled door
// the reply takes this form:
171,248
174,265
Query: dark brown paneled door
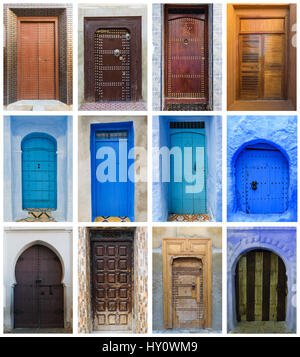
38,293
186,55
112,285
112,65
261,287
37,58
112,58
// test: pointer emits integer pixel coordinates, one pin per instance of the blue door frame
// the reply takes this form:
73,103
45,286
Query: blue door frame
181,202
111,198
39,172
262,180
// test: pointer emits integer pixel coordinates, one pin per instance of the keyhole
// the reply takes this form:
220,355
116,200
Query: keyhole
39,166
254,185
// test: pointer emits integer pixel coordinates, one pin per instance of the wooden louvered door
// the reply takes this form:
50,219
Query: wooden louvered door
37,58
38,293
261,287
187,287
186,55
262,59
112,284
112,65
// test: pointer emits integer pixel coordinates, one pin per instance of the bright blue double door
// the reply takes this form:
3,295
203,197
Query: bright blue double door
187,191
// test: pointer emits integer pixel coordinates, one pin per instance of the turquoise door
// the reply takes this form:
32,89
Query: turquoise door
39,172
187,176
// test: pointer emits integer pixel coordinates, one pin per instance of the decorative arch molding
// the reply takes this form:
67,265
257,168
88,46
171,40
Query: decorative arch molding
281,241
45,244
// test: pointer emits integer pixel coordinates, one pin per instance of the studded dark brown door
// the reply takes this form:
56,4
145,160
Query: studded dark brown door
112,58
112,65
38,293
37,59
112,284
186,57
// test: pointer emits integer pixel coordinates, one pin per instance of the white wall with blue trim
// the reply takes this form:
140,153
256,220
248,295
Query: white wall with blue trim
15,129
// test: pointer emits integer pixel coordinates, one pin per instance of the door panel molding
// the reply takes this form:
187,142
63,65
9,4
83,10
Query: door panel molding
197,249
134,25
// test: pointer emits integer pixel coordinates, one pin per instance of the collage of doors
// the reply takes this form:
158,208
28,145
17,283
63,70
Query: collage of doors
148,168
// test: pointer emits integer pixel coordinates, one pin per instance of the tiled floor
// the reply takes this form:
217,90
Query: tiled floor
111,219
259,327
118,106
189,218
39,105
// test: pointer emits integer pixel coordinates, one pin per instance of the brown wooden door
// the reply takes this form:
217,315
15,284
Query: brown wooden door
112,65
37,59
261,287
112,58
186,55
38,293
112,285
187,282
188,299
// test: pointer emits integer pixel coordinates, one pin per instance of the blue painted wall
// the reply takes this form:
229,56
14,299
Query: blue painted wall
15,129
213,128
280,131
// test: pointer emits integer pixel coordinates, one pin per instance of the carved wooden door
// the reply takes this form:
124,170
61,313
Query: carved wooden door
112,58
112,284
260,287
187,282
186,57
37,58
38,293
187,287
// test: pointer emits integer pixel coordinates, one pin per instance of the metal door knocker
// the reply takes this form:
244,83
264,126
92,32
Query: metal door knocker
186,42
254,185
117,52
127,36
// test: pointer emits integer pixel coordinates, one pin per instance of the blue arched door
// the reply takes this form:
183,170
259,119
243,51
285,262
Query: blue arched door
262,180
39,172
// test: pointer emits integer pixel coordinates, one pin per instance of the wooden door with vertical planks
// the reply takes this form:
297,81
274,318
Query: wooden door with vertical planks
260,287
37,59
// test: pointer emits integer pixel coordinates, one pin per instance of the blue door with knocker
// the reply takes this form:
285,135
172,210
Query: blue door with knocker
187,176
39,172
112,187
262,179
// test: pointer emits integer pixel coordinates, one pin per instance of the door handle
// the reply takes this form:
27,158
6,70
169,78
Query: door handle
254,185
195,166
193,286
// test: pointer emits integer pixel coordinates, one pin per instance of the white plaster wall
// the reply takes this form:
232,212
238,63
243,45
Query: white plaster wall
105,10
84,164
15,242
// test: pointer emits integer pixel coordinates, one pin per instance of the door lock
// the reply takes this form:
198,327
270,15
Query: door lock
117,52
254,185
